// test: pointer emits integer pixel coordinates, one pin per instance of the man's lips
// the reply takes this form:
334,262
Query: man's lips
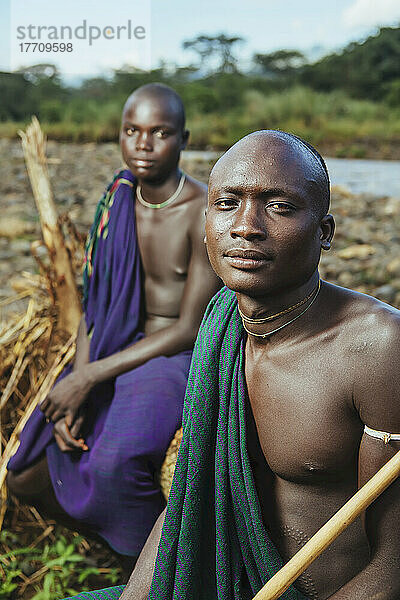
142,162
251,253
246,258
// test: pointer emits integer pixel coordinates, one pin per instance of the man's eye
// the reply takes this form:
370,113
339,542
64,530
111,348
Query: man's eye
130,131
280,206
161,133
225,203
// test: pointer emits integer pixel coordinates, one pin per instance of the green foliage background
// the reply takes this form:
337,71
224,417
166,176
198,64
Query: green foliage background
347,102
57,567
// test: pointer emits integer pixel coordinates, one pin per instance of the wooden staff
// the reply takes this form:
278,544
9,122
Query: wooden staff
66,292
277,585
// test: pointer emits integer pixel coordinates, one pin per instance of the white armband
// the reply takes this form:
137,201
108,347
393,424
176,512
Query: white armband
382,435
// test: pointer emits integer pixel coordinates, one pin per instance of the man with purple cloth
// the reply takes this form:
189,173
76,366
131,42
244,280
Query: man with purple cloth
90,455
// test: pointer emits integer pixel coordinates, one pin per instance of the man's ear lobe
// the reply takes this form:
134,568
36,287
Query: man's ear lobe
327,227
185,138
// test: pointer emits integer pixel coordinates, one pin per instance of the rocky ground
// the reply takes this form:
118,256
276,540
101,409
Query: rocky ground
365,255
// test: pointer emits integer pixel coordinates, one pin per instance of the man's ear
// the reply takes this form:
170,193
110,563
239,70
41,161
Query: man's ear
185,138
327,229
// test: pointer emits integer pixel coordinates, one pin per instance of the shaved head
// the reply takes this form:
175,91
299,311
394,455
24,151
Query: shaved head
171,101
278,149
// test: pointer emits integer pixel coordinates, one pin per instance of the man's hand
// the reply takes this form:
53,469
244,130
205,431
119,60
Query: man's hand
66,398
65,435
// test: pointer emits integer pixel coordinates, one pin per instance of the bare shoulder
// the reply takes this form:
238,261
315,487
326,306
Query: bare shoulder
195,204
371,348
364,316
196,194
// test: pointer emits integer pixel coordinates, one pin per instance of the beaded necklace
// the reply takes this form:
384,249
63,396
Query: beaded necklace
264,335
167,201
282,312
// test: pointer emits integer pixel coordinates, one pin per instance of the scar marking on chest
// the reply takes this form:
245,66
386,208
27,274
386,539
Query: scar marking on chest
304,582
306,585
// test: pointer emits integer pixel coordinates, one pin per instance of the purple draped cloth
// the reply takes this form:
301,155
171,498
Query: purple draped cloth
112,488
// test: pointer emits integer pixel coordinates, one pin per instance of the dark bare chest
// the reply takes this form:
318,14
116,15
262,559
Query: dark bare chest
306,425
164,242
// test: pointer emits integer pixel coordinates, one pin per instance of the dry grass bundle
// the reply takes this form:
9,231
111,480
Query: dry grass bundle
33,352
64,284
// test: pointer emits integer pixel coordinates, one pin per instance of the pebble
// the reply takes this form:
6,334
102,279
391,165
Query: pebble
356,251
385,292
393,266
20,246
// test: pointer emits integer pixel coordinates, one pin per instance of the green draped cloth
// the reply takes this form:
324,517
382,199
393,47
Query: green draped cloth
214,545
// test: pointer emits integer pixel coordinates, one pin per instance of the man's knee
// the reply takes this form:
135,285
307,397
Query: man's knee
31,482
16,484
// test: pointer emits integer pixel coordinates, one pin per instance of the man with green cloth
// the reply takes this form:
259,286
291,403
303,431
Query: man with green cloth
291,404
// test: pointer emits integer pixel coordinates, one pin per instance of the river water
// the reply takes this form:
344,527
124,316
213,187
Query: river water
377,177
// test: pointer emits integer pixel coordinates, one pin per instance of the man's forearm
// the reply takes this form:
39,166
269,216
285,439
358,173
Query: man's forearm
138,586
82,346
167,342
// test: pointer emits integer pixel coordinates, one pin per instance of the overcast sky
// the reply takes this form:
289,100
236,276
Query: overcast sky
266,25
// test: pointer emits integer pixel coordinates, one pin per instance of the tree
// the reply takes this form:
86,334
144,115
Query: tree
203,46
281,62
218,47
363,69
26,91
224,48
15,93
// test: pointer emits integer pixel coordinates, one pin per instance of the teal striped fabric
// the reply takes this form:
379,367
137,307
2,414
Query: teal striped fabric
213,534
213,538
111,593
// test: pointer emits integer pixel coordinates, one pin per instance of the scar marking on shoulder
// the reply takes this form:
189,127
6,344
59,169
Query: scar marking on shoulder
363,348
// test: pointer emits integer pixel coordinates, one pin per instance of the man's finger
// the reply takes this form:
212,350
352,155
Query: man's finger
57,415
76,427
75,423
49,411
79,441
61,444
61,428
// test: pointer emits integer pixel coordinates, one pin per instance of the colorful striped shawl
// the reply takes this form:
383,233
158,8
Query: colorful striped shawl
99,228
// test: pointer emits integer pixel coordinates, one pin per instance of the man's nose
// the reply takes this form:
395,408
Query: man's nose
249,222
143,142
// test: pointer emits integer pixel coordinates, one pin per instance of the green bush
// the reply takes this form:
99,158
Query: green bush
52,570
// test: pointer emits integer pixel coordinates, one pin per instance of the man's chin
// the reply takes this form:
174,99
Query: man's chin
250,286
144,173
149,176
